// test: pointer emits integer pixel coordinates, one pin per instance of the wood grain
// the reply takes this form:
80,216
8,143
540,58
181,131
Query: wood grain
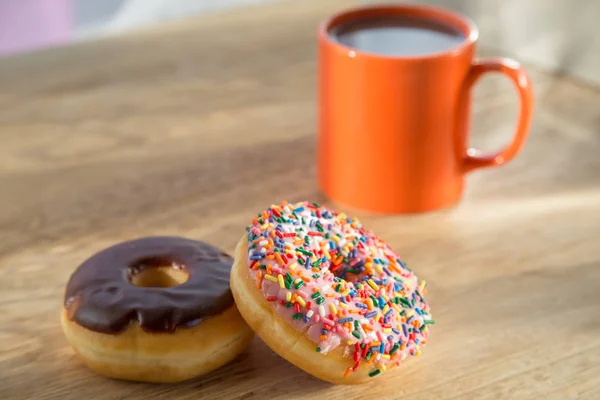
192,128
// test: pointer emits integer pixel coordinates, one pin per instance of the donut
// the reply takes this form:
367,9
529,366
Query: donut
154,309
328,295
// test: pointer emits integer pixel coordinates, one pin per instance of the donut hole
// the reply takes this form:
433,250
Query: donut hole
157,273
351,274
351,277
159,277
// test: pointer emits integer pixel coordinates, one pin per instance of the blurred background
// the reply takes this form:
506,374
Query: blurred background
559,35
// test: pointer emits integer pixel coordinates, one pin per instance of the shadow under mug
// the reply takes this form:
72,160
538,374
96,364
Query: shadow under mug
393,130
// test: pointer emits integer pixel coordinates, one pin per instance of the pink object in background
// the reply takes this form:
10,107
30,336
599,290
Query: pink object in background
30,24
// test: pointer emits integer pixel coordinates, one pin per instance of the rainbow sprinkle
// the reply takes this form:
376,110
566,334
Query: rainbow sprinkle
342,285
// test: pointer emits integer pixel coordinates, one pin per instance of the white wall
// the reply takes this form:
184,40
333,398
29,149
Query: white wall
562,35
97,17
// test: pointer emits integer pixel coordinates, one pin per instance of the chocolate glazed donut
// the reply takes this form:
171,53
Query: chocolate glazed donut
180,326
100,295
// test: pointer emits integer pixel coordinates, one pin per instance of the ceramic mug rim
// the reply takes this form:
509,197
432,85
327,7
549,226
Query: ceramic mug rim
432,13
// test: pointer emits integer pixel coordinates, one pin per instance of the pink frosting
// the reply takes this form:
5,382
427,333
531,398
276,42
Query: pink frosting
372,304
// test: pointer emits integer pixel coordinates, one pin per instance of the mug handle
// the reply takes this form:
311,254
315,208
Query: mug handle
474,158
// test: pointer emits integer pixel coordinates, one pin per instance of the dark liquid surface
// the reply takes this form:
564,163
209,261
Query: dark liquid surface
398,36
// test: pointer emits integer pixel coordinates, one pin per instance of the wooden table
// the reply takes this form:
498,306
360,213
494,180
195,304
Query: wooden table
192,128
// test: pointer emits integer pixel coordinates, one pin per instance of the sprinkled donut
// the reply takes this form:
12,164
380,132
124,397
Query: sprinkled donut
328,295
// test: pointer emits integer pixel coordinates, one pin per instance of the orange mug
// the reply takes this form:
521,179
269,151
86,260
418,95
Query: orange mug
393,128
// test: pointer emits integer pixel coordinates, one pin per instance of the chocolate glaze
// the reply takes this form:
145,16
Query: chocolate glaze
100,296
